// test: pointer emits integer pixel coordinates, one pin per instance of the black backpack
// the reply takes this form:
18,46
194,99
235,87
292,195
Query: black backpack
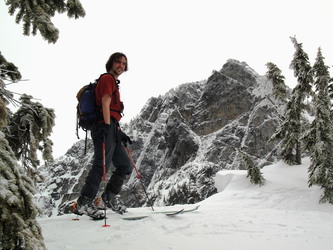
86,108
87,112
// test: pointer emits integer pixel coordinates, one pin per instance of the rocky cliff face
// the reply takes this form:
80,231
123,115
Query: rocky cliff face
181,139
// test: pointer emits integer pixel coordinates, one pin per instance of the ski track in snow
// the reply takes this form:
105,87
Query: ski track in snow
282,214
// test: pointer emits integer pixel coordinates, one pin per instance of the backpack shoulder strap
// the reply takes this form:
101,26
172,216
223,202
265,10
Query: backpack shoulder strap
116,81
102,75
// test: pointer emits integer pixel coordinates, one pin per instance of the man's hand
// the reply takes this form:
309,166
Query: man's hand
105,129
124,138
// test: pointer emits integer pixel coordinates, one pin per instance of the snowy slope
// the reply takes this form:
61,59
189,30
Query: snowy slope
282,214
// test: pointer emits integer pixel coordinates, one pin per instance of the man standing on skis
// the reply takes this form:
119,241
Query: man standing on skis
107,130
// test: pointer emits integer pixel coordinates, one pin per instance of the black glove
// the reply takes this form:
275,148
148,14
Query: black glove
124,138
105,129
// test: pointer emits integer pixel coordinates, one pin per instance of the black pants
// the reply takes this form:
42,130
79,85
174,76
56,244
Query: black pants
114,152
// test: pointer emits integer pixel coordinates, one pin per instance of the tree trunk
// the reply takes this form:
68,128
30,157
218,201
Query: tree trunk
298,155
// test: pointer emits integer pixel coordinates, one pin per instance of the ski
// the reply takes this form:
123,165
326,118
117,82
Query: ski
139,217
174,213
167,213
182,211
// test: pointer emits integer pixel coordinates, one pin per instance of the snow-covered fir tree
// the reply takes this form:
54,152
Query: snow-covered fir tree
279,87
302,71
293,126
320,137
18,226
8,71
28,131
330,94
253,170
289,132
36,15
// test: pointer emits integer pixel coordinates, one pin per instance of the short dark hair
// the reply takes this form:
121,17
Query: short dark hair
113,58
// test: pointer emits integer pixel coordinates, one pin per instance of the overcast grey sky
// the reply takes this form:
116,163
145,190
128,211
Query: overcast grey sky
167,43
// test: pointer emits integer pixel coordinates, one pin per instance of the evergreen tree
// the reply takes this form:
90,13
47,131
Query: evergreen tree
294,125
302,71
330,94
279,87
8,71
18,226
36,15
290,132
253,170
330,88
320,137
28,131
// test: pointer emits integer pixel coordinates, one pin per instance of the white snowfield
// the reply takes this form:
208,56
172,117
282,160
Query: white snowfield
283,214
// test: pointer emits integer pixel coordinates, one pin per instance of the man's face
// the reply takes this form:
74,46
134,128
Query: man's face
119,66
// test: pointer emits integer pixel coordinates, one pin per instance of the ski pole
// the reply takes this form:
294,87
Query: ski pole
138,175
104,178
104,164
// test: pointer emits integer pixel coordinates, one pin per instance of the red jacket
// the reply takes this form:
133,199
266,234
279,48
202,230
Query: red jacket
107,86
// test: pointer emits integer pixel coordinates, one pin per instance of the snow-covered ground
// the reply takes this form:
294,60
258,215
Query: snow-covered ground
283,214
